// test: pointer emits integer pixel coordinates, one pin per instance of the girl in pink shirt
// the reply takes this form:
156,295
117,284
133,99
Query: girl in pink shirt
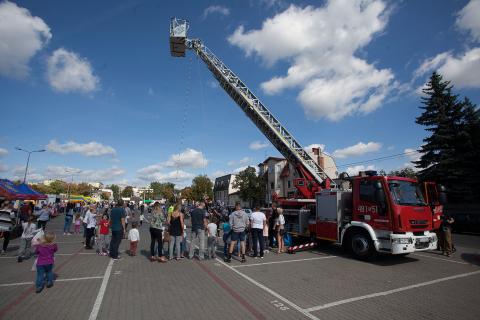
45,251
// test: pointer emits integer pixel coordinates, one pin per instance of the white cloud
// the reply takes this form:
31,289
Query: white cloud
21,37
3,152
240,162
237,170
217,174
257,145
172,176
88,175
18,173
469,19
353,171
412,154
213,84
3,167
357,149
90,149
221,10
320,44
461,70
187,158
68,72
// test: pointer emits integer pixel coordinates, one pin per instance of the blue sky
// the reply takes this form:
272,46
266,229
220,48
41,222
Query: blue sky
94,83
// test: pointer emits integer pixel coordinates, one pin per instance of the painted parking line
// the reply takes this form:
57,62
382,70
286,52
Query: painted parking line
270,291
56,254
388,292
437,258
101,292
280,262
58,280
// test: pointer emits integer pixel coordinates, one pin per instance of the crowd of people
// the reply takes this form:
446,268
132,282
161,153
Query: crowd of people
105,225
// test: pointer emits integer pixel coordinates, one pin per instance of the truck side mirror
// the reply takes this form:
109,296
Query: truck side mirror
442,194
442,198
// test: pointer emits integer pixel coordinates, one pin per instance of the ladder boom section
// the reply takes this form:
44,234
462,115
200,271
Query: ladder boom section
285,143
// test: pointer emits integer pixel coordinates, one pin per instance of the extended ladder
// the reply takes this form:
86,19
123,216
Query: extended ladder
265,121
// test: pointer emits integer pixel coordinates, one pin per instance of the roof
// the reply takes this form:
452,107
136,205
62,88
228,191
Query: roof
11,191
272,158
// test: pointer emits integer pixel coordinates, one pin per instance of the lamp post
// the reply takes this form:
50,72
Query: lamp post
28,159
68,189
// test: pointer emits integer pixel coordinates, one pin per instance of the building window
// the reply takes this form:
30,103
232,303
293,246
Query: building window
289,184
272,186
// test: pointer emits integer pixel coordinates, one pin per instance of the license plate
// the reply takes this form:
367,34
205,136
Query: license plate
423,240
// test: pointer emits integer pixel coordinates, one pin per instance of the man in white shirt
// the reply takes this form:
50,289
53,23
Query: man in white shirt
91,221
258,221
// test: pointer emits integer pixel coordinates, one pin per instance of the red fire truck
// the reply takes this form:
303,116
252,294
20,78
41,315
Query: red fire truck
366,214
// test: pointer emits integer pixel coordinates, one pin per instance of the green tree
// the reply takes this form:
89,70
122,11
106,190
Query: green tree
202,187
165,190
449,151
250,186
127,192
81,188
186,193
116,191
406,172
105,195
59,187
41,188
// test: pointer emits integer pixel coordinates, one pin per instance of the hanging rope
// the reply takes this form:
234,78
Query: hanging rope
185,112
202,106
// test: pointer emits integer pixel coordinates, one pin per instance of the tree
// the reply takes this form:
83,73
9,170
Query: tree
41,188
250,186
59,187
105,195
202,188
406,172
186,193
127,192
116,191
165,190
81,188
448,154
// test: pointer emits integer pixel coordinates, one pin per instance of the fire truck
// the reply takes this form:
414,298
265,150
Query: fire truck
366,214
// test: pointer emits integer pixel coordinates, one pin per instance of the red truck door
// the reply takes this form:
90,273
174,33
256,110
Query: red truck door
431,195
367,207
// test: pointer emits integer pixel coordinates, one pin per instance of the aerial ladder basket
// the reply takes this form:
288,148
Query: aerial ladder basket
178,37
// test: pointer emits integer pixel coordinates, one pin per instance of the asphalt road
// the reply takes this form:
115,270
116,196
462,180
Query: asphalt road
318,284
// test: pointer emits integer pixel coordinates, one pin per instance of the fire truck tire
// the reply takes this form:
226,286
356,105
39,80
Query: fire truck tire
361,245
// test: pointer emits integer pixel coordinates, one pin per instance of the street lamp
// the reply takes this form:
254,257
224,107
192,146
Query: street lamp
73,173
28,159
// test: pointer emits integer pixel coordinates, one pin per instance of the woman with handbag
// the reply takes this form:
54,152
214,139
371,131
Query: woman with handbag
176,223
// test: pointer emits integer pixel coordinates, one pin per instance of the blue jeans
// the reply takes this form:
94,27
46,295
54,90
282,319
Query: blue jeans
115,243
42,271
226,242
68,223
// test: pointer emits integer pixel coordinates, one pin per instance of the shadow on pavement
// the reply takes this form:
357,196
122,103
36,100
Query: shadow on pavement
471,258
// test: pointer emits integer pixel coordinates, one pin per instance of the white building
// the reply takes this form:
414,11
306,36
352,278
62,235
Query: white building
225,194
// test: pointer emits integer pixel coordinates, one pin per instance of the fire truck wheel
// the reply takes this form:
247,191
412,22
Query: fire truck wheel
361,246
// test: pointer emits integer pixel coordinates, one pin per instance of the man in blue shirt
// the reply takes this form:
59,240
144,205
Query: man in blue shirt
117,225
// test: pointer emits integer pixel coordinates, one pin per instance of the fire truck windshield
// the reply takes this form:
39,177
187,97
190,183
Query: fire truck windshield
406,193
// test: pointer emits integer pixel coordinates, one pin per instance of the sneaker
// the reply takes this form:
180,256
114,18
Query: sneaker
243,259
3,252
19,259
38,290
49,285
261,257
64,233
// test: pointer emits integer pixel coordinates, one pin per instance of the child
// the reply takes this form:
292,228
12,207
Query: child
29,230
78,223
103,242
265,238
226,238
142,217
45,251
134,237
212,239
280,228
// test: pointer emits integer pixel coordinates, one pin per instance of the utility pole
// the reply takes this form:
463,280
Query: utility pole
28,159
